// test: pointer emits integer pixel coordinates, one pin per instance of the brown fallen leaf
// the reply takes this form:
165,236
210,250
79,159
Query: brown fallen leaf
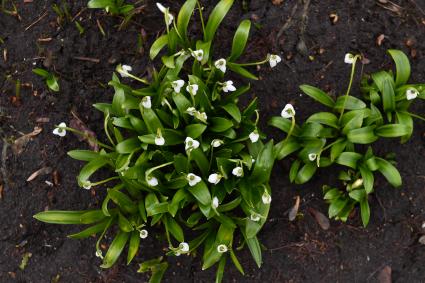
380,39
41,171
89,135
20,143
277,2
1,191
294,210
385,275
320,218
56,177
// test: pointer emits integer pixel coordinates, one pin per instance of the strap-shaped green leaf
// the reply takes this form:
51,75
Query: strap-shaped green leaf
240,39
60,216
241,71
363,135
133,246
306,173
389,171
393,130
283,125
407,120
220,269
173,228
285,148
184,16
263,165
122,200
195,130
128,145
318,95
93,230
365,211
233,111
115,249
402,66
337,206
92,216
236,262
368,178
151,119
219,124
157,46
91,167
201,160
201,193
216,17
325,118
83,155
337,148
388,96
349,159
349,103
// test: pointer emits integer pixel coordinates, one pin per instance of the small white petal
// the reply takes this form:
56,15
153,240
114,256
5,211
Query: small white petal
191,111
123,70
143,234
99,254
237,171
159,140
161,7
255,217
266,198
192,89
349,58
274,60
177,85
152,181
288,111
221,65
228,86
184,247
411,93
214,178
216,143
222,248
146,102
312,156
193,179
191,143
215,202
87,185
198,54
254,136
59,130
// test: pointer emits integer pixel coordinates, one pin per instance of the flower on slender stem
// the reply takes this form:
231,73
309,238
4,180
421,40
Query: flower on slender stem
312,156
198,54
152,181
214,178
168,17
349,58
146,102
192,89
143,234
216,142
274,60
254,136
191,111
177,85
193,179
228,86
221,64
124,70
184,247
87,185
288,111
159,139
266,198
214,202
357,183
411,93
201,116
255,217
190,144
237,171
222,248
60,130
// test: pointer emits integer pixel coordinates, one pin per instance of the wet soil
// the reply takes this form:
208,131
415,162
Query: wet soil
312,46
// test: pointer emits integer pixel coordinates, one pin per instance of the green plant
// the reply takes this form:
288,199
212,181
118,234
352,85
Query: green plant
183,154
51,80
338,136
114,7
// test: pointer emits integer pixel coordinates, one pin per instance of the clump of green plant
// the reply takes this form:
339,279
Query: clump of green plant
50,79
183,153
114,7
339,136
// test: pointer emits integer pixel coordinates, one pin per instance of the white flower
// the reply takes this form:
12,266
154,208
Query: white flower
177,85
312,156
214,203
254,136
152,181
198,54
255,217
357,183
221,64
168,17
143,234
274,60
266,198
193,179
146,102
192,89
87,185
184,247
99,254
411,93
237,171
214,178
201,116
288,111
222,248
59,130
216,143
123,70
159,139
228,86
191,111
190,143
349,58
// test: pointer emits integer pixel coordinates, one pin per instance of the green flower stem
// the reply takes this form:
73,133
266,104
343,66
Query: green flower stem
291,129
324,149
414,115
353,69
105,126
134,77
86,136
104,181
253,63
202,18
148,172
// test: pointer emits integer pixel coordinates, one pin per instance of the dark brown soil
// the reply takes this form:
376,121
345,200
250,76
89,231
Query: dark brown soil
298,251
